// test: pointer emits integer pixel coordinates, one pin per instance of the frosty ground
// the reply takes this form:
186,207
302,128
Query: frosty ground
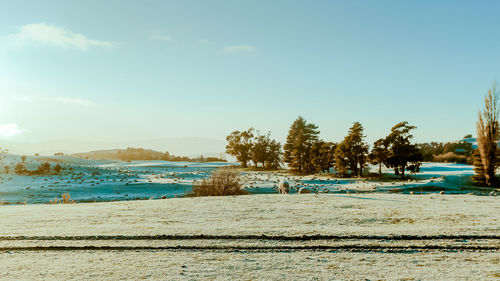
92,180
34,238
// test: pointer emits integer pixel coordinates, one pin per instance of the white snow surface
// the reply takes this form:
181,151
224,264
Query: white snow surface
306,214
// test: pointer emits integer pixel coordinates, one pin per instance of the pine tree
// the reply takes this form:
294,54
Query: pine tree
299,142
379,154
478,177
323,156
403,154
352,153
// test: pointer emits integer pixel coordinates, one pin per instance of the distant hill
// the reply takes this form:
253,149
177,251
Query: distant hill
137,154
111,154
191,146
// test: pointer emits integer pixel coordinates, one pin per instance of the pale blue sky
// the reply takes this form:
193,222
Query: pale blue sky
112,70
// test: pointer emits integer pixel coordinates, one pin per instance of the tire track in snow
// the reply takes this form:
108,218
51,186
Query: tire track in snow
378,243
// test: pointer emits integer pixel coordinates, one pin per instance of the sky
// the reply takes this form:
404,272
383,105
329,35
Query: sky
132,70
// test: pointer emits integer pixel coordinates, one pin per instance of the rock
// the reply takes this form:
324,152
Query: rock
304,191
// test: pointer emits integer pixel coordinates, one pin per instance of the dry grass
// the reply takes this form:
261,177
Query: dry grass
65,199
223,182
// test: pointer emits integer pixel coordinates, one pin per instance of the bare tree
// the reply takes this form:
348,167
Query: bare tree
487,136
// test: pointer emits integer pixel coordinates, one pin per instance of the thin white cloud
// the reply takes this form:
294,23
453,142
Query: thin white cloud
10,130
51,35
240,49
63,100
160,37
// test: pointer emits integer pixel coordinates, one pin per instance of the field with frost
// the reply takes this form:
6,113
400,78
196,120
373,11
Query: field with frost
354,229
256,237
89,181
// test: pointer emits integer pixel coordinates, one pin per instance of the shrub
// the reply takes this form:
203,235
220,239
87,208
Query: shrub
65,199
43,169
57,168
223,182
20,169
451,157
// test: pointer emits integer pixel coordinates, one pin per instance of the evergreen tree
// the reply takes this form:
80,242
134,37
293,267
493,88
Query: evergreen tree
352,153
403,154
487,139
478,177
323,156
342,163
299,142
274,157
379,154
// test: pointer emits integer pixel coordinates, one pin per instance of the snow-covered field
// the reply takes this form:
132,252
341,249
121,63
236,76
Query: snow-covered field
89,181
305,214
354,229
352,217
212,265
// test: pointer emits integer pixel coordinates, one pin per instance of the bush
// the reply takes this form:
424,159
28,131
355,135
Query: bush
451,157
20,169
57,168
65,199
43,169
223,182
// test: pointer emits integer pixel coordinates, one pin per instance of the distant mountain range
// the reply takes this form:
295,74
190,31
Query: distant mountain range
191,147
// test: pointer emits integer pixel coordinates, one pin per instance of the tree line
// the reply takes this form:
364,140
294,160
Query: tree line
306,153
450,152
253,146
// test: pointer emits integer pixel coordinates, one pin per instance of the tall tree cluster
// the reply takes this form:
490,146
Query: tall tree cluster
306,153
252,146
397,151
240,145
